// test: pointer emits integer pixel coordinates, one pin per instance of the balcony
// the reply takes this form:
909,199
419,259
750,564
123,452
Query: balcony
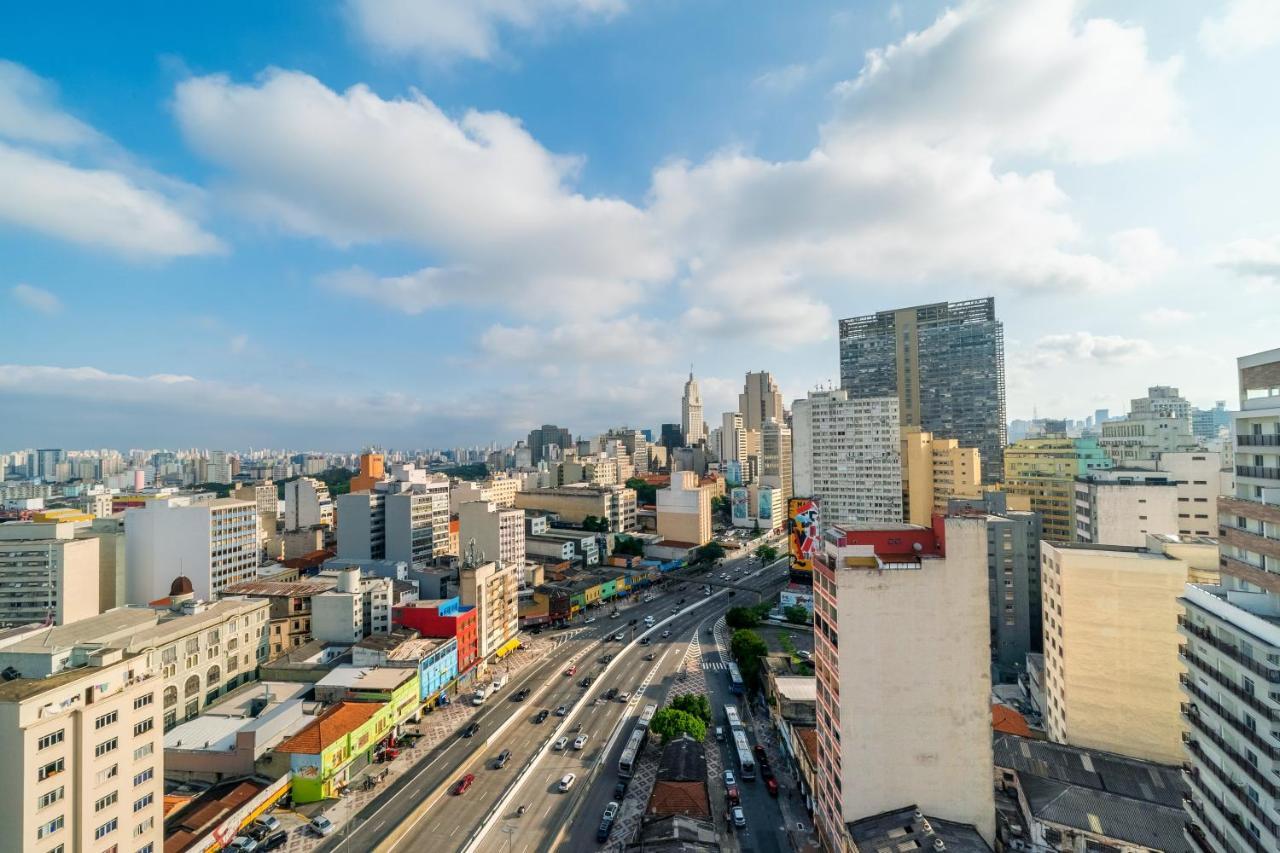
1233,652
1192,713
1268,712
1230,814
1264,819
1258,441
1193,747
1261,472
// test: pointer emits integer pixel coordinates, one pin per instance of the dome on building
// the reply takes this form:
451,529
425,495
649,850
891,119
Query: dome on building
181,586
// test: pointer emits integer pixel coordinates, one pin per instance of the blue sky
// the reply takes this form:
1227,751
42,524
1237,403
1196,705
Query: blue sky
441,222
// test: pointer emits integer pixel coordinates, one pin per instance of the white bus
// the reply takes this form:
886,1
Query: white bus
646,716
631,752
746,761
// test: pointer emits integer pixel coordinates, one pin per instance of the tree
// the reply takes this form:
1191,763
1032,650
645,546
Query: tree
670,723
595,524
741,617
694,703
797,614
709,553
720,507
473,471
646,493
767,553
628,546
747,648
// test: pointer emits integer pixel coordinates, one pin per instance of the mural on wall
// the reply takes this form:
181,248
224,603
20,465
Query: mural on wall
802,532
764,508
738,503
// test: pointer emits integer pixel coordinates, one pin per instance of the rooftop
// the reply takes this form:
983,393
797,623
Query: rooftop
203,813
683,760
297,589
907,829
272,709
333,724
375,679
797,688
21,689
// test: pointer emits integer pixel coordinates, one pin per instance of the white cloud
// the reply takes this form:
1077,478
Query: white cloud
1078,347
1246,26
630,339
1166,316
440,31
783,80
479,192
1253,258
36,298
121,208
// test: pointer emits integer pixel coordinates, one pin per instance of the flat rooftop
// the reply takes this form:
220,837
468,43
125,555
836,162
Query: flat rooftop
908,829
373,679
298,589
215,730
797,688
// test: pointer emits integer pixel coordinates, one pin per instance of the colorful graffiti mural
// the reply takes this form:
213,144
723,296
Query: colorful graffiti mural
738,503
803,532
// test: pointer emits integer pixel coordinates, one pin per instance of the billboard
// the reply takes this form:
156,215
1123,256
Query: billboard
802,532
738,503
764,507
733,472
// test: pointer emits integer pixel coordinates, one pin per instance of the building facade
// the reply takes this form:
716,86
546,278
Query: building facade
691,413
213,544
759,401
492,589
47,575
776,464
1043,470
935,471
498,532
1113,509
1157,423
573,503
945,364
847,453
306,504
684,510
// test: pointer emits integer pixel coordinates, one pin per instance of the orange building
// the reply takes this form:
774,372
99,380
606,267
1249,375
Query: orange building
372,470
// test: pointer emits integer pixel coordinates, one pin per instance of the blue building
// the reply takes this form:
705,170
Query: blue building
438,668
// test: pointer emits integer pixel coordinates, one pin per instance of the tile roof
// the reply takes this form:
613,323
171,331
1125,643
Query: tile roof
809,740
1008,721
1104,814
683,760
683,798
338,721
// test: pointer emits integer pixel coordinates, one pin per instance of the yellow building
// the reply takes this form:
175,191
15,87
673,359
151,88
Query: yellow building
934,470
1043,471
684,510
1111,644
372,471
64,516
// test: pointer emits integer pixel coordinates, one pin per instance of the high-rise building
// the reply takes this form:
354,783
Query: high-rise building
1207,423
541,441
760,400
684,510
47,575
671,436
215,544
945,364
492,589
776,465
1013,581
934,471
847,453
574,503
417,515
1043,472
219,467
1157,423
691,412
636,445
372,472
1111,643
497,531
307,504
733,445
263,494
362,526
1232,639
47,461
912,703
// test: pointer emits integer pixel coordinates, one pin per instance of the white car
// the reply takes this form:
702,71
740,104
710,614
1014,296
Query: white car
729,781
580,741
269,823
610,811
242,844
321,825
590,619
739,817
666,634
560,744
648,620
624,696
566,782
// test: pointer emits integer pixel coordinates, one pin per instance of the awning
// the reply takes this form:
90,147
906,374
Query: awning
508,647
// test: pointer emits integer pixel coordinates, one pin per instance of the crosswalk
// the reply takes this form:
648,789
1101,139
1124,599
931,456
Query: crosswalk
714,665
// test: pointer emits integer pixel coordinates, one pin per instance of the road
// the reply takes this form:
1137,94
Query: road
568,821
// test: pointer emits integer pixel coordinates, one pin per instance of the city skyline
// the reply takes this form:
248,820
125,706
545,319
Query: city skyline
364,304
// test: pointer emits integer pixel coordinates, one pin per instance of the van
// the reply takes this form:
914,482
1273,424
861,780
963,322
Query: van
720,733
499,681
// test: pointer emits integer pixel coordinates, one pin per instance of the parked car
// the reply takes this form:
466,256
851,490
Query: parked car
562,711
460,787
502,759
606,822
580,741
321,825
720,733
739,817
560,744
729,780
470,730
620,789
771,784
243,844
274,841
541,716
265,825
731,793
589,620
566,781
766,770
761,755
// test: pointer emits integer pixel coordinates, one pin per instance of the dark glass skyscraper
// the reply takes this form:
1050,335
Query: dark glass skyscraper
946,364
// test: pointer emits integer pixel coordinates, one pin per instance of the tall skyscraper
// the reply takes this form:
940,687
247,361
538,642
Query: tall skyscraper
760,400
912,703
733,443
1232,650
542,438
945,364
775,457
691,412
847,452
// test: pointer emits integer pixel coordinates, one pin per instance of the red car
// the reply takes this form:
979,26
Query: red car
571,670
463,784
772,785
732,793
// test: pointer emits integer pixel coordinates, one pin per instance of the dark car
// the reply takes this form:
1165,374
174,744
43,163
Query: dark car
586,682
620,789
606,658
275,840
644,641
521,696
471,730
761,755
541,716
766,772
610,694
502,759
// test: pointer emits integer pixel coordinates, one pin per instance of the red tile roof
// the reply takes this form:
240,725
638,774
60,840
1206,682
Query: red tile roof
338,721
809,741
680,798
1007,720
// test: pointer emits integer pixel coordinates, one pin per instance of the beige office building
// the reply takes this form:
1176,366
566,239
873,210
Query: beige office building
498,531
46,574
83,765
492,589
1112,509
775,457
113,573
573,503
684,510
1111,643
935,470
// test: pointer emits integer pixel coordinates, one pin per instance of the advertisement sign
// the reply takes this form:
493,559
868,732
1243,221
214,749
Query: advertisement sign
733,472
738,503
764,510
802,532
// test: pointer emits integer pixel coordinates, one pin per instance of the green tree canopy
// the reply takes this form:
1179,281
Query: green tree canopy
767,553
694,703
595,524
628,546
797,614
741,617
670,723
709,553
645,492
748,647
473,471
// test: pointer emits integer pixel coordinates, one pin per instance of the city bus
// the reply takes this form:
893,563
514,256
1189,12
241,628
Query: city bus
631,753
731,717
646,716
735,679
746,761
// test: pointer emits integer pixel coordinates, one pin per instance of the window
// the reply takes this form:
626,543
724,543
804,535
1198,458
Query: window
104,802
106,720
106,829
50,798
147,848
143,701
144,826
108,773
106,746
51,739
51,827
139,805
143,727
53,768
144,776
143,751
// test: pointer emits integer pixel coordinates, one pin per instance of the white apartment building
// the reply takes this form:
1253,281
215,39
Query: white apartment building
684,510
218,469
337,616
847,453
1114,509
1157,423
46,574
733,442
306,504
98,505
492,589
498,532
362,526
903,665
499,489
1201,480
1111,642
83,765
1232,632
417,515
215,544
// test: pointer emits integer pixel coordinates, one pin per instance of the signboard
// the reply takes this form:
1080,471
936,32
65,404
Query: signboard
803,532
738,502
764,509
